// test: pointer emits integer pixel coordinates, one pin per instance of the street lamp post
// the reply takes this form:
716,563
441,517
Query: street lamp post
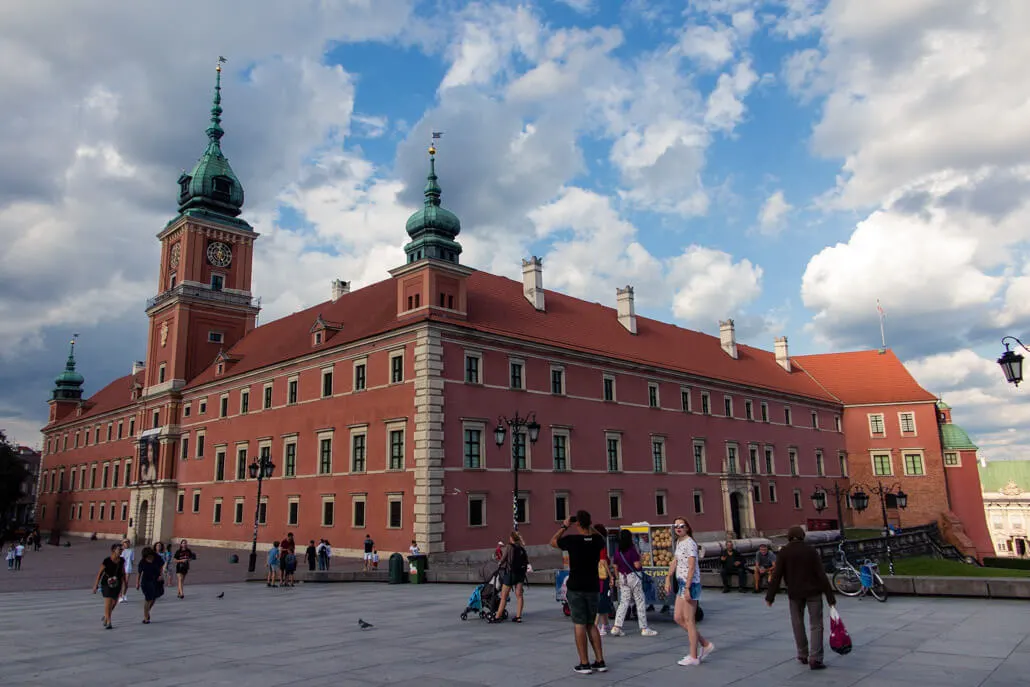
838,493
516,424
1012,362
861,501
261,468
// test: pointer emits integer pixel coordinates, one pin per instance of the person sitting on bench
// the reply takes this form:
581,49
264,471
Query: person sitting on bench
765,561
732,565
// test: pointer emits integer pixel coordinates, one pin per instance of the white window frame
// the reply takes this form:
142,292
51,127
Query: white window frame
403,429
749,409
475,496
838,425
394,498
704,456
685,395
199,443
326,372
560,369
697,498
554,505
319,437
792,462
659,441
820,464
360,363
706,403
653,388
223,451
872,462
616,494
814,415
263,511
788,416
162,373
481,427
290,381
798,502
327,499
223,405
195,500
355,499
271,398
522,377
615,393
664,495
618,438
842,463
732,464
355,432
769,459
774,494
465,367
752,452
287,442
394,355
958,459
214,336
883,425
727,406
216,511
289,502
244,394
565,434
523,496
904,462
239,506
764,411
901,426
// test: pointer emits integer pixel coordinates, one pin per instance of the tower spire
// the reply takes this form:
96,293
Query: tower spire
433,228
215,131
433,190
68,384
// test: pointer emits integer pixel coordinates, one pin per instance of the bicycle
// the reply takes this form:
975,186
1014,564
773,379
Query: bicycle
850,581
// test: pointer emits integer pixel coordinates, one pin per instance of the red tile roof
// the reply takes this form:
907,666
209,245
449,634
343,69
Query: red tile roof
864,377
496,305
117,394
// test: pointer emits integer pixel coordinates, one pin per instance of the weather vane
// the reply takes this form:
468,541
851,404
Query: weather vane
221,60
432,146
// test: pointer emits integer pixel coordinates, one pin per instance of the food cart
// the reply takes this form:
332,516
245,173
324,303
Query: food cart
654,542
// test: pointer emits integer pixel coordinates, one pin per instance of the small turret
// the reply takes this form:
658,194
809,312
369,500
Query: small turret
433,228
68,384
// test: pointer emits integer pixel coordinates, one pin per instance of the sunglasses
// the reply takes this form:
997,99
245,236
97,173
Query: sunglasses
680,527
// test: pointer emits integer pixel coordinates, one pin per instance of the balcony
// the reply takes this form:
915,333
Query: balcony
206,294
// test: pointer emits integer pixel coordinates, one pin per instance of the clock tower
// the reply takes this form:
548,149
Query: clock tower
204,303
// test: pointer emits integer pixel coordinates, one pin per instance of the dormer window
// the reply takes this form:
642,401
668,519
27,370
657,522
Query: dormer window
318,338
220,368
222,188
184,185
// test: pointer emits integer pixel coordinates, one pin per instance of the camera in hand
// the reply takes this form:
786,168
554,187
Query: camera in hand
572,520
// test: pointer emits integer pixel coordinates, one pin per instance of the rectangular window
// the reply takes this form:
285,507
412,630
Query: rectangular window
521,510
792,456
731,460
876,425
268,397
477,511
473,448
291,391
786,416
358,510
223,406
472,368
219,465
815,420
756,492
196,501
882,464
685,400
820,466
608,385
557,381
263,511
727,403
752,457
770,464
658,454
132,430
397,368
325,455
359,376
706,403
128,473
951,460
843,459
244,401
836,423
699,503
914,464
515,375
292,511
615,506
241,463
93,511
156,420
290,460
749,410
907,422
103,480
560,445
660,503
216,517
200,445
797,499
357,453
180,502
92,477
327,383
96,439
237,512
185,448
652,395
110,431
121,427
395,506
772,493
114,475
203,407
614,454
561,507
699,457
519,442
765,412
396,449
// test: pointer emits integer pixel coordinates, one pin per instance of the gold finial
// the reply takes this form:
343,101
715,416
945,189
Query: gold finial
218,65
432,149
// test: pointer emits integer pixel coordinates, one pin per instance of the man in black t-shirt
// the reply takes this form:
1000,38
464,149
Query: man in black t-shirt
584,546
369,548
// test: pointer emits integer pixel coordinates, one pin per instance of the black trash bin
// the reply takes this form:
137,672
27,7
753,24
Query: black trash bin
419,563
397,572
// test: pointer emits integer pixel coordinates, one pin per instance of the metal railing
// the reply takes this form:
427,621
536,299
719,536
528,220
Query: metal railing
186,290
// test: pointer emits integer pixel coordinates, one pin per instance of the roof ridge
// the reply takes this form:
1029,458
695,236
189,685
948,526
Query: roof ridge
817,382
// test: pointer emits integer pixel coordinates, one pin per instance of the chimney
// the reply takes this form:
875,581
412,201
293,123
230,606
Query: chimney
339,288
627,313
533,281
137,366
782,356
728,337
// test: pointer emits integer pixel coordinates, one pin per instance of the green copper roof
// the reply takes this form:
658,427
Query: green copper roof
68,384
433,228
943,406
997,474
212,185
955,438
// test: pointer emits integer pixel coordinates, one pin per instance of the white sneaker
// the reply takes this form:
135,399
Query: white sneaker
648,632
688,661
122,598
705,651
616,631
603,630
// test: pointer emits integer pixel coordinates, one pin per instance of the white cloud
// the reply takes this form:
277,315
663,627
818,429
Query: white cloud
726,103
581,6
774,211
711,46
490,37
710,286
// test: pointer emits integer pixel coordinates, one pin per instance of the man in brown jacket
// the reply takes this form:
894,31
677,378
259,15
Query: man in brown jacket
801,566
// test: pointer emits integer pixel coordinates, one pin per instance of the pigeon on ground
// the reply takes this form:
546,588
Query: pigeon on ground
363,625
221,595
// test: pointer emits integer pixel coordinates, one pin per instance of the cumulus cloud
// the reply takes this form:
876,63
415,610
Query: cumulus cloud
710,285
773,213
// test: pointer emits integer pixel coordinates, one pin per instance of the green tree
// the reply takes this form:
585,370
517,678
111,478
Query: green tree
13,474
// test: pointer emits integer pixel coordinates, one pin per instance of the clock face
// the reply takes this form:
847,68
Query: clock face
176,254
219,254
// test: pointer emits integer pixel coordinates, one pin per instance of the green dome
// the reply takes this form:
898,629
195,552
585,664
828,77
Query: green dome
212,185
954,437
943,406
433,228
68,384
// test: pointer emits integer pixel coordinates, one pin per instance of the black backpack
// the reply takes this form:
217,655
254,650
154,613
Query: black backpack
519,561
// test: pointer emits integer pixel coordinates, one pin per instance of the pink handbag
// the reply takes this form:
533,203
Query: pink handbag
840,640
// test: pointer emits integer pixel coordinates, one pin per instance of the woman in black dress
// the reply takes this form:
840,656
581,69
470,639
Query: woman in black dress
182,560
151,580
111,581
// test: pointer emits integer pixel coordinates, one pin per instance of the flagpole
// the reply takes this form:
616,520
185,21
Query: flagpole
883,335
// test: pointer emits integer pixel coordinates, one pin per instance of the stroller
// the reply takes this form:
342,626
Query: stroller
486,597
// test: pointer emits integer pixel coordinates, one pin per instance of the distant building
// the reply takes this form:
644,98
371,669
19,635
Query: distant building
23,510
899,435
1006,495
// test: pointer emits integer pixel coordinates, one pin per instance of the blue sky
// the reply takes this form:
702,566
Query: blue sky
781,162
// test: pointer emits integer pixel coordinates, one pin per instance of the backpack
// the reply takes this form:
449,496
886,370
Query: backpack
291,560
519,561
